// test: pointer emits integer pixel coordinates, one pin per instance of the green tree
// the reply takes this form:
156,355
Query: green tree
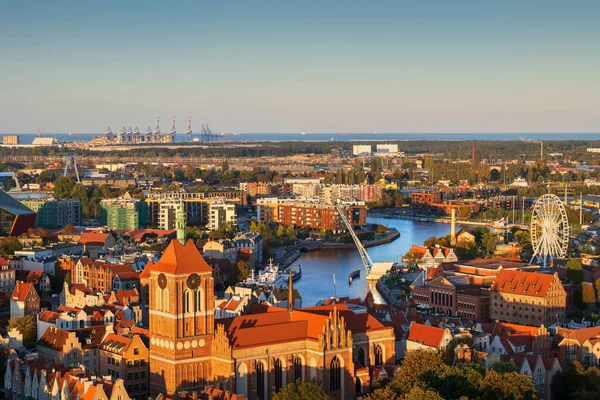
290,233
242,271
27,327
574,271
302,390
588,294
9,245
597,285
63,187
280,234
507,386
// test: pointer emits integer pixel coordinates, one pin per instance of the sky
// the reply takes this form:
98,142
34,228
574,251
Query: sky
258,66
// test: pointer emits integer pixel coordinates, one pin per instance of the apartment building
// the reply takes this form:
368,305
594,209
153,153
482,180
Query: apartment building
54,214
123,213
312,215
221,214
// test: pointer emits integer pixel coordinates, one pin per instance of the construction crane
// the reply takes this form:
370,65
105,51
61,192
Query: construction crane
374,270
70,160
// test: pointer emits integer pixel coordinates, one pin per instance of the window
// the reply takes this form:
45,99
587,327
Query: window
260,380
297,369
335,374
278,375
361,357
378,354
136,351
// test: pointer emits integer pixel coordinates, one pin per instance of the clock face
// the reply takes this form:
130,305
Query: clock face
193,281
162,281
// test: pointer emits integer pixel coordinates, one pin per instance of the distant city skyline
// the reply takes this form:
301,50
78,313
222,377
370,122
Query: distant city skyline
312,66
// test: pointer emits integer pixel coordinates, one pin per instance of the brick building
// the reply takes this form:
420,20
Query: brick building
425,199
309,214
24,300
527,298
97,274
254,354
126,358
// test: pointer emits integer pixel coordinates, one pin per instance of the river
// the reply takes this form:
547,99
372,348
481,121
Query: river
319,266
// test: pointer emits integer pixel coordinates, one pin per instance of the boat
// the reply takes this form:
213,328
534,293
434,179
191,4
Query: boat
76,134
332,139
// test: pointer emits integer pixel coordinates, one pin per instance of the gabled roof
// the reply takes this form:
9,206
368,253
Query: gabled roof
180,259
54,338
146,272
582,335
523,283
93,237
425,334
22,290
116,343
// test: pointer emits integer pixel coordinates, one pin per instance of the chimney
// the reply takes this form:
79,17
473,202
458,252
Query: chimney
453,228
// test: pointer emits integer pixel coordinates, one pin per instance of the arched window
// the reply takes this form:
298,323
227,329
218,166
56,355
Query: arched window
165,300
378,353
241,380
260,380
158,301
199,300
188,303
361,357
335,374
297,368
278,375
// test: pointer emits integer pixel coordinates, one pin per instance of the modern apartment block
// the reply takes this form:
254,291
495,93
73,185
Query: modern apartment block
314,215
123,213
222,214
54,214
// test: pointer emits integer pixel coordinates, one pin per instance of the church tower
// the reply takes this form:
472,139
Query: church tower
181,290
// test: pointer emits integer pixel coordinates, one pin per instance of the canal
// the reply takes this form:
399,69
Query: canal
318,267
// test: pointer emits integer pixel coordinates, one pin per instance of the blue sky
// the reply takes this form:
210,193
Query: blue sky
292,66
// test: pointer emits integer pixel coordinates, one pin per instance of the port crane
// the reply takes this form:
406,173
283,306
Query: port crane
188,133
375,270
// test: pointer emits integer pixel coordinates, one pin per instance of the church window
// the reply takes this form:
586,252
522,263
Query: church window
335,374
297,369
165,299
278,375
361,357
260,380
378,353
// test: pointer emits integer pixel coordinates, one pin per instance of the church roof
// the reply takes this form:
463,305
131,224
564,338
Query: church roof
180,259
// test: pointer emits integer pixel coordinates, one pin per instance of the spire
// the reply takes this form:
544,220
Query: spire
290,292
180,224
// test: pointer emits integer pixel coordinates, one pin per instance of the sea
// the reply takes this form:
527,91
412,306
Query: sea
27,138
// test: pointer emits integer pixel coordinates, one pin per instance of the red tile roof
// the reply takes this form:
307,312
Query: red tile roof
426,335
146,272
523,283
93,237
22,291
180,259
582,335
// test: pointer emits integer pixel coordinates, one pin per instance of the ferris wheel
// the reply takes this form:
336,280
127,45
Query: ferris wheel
549,230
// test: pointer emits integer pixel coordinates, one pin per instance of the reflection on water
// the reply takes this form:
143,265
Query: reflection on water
318,267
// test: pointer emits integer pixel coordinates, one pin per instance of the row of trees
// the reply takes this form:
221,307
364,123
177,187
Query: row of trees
424,375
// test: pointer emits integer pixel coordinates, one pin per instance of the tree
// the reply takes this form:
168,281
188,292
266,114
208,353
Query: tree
507,386
302,390
9,245
242,271
430,241
574,271
27,327
290,233
597,285
588,293
63,186
4,298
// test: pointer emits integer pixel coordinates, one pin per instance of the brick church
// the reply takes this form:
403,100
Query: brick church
257,354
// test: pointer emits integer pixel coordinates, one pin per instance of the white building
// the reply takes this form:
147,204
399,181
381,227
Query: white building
361,150
221,214
167,214
387,148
